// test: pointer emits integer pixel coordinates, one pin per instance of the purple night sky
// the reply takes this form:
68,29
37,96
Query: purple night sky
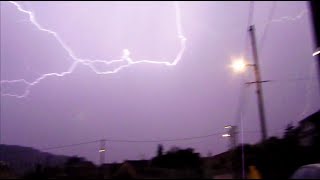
198,96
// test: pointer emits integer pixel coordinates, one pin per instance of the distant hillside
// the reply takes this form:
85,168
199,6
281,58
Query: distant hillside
22,159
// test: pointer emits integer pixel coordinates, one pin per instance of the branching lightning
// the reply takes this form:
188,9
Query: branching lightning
282,19
91,62
288,18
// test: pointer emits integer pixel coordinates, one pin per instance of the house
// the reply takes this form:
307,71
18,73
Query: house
309,138
309,130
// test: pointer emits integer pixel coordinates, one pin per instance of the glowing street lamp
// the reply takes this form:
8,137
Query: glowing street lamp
226,135
317,52
102,150
239,65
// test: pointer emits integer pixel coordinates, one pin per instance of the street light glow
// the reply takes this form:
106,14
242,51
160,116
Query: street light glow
228,127
238,65
226,135
102,150
317,52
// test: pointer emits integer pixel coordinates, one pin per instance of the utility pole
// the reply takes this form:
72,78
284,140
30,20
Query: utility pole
233,133
315,7
102,151
258,82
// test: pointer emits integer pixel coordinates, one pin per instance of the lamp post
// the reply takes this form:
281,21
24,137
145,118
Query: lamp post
232,134
102,151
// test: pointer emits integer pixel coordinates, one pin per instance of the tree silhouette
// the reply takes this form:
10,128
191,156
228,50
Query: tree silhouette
178,159
160,150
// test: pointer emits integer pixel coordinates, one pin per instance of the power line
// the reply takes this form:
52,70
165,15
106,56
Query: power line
239,118
242,101
242,97
139,141
294,79
135,141
71,145
166,140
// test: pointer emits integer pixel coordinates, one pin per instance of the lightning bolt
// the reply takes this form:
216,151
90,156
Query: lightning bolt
288,18
279,20
91,62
